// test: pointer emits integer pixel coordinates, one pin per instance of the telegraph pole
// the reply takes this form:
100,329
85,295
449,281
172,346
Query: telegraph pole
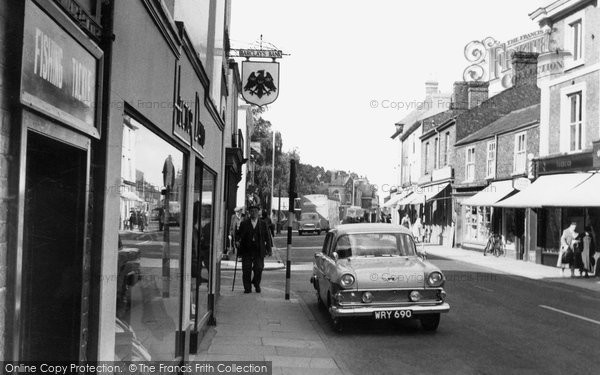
292,195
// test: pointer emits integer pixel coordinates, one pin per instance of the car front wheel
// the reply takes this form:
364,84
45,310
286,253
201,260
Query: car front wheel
430,322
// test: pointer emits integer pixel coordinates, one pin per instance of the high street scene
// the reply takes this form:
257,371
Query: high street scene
316,187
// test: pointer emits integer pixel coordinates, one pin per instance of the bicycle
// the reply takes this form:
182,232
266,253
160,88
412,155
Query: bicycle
495,245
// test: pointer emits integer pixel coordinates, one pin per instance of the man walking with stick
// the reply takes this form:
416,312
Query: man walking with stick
253,242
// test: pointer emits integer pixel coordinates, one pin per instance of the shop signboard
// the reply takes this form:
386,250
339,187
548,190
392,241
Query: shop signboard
260,82
59,75
491,60
565,163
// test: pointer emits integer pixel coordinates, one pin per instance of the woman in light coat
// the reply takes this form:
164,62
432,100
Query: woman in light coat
567,241
417,230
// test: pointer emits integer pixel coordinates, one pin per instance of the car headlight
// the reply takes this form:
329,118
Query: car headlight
435,279
347,280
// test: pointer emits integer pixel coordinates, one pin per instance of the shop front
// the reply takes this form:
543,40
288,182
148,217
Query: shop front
482,219
564,192
58,116
162,213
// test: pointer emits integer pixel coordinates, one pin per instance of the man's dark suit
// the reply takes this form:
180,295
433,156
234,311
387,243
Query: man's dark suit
255,244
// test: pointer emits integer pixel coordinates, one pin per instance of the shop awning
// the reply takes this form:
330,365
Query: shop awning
585,194
413,198
392,202
551,190
432,191
493,193
131,196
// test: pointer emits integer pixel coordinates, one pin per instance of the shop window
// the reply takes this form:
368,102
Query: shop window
478,223
148,274
470,164
202,249
520,157
491,159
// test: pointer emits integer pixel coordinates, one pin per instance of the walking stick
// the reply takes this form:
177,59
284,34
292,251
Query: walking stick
234,268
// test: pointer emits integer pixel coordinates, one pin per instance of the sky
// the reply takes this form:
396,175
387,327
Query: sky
357,67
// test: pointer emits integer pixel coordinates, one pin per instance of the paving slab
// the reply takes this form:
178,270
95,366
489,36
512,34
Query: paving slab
266,327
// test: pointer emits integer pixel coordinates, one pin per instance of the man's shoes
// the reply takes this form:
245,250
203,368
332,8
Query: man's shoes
247,291
257,289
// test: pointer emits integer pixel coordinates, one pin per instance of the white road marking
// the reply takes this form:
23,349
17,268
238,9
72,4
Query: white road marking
483,288
570,314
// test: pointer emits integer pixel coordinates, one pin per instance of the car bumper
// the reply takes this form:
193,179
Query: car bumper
343,311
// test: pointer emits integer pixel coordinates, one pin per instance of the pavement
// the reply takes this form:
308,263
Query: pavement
515,267
268,328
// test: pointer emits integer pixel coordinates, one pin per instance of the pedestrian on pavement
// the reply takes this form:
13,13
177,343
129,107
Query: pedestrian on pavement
417,230
587,254
254,243
406,221
566,253
131,219
268,222
234,226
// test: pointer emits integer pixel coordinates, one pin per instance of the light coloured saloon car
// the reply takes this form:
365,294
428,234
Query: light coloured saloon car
375,270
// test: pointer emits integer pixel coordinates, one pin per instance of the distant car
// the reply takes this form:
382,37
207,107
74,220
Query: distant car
375,270
309,222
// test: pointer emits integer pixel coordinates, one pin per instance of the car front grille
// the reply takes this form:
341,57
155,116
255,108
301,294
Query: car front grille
394,296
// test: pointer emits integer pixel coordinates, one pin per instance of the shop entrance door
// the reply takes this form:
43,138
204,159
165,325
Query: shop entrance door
54,233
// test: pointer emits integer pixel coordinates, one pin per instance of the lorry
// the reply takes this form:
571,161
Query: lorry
327,211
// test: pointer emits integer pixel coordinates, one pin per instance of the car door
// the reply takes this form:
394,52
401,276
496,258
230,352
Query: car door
320,262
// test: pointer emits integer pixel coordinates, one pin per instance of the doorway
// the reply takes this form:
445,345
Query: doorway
53,249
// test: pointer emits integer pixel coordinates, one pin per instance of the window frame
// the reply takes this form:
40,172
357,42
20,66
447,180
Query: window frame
518,154
446,149
574,61
468,163
489,151
565,117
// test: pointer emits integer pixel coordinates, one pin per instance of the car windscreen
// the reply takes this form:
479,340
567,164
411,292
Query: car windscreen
309,217
375,245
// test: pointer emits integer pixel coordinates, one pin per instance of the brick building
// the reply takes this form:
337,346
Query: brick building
569,130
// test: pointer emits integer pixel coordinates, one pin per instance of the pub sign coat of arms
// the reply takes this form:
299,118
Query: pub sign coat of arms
260,82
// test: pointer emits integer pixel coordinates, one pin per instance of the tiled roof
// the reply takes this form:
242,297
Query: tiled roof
429,107
511,121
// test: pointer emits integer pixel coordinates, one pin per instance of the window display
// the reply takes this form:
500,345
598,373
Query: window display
204,187
150,246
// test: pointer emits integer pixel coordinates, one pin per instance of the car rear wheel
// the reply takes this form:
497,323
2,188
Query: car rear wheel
430,322
318,233
300,232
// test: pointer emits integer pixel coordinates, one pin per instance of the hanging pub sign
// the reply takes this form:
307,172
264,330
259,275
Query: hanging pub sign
260,82
59,75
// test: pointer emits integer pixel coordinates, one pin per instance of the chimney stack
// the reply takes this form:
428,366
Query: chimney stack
431,88
477,93
524,66
460,96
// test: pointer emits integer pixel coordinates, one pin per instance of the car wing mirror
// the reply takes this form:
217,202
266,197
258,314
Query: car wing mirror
335,256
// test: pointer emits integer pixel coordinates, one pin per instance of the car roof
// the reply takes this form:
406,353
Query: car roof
370,228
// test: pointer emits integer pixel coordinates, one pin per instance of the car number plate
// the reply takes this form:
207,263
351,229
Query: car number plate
393,314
